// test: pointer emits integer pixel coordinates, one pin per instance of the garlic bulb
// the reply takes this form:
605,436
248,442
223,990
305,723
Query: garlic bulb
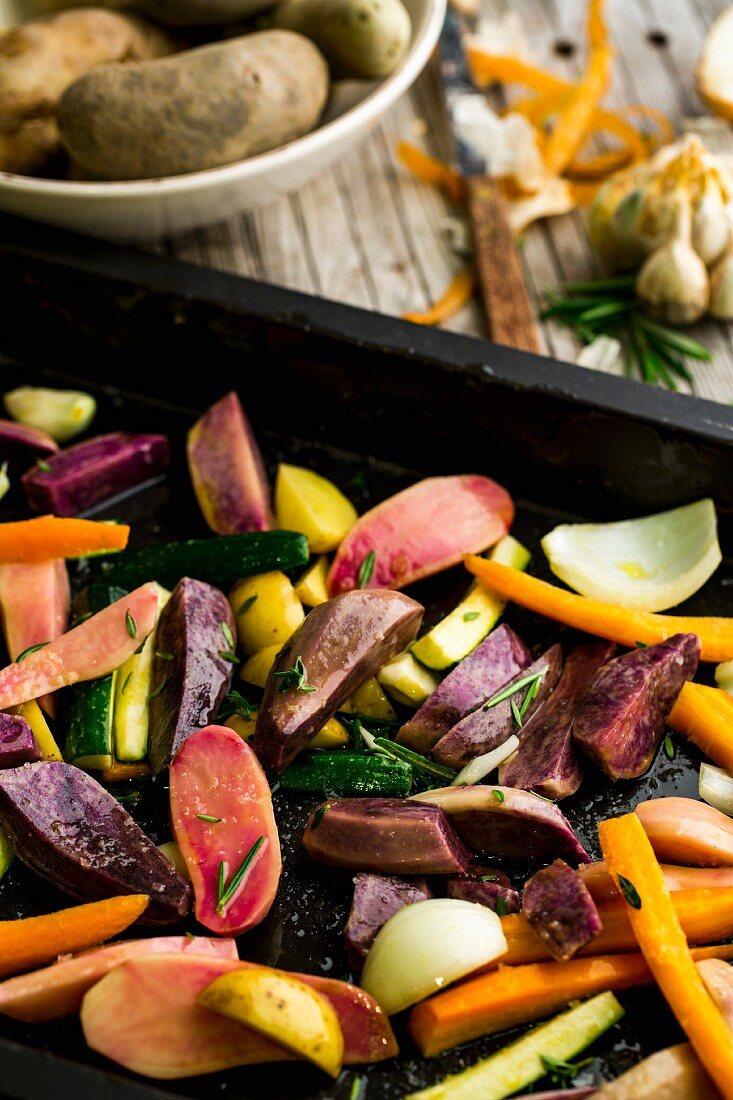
634,211
721,287
673,285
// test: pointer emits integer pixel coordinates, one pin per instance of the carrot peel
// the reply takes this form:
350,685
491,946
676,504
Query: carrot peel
618,624
36,941
659,933
457,295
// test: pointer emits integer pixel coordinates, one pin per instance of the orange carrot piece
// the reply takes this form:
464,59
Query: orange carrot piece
618,624
433,171
36,941
657,929
514,995
705,716
706,915
45,537
458,294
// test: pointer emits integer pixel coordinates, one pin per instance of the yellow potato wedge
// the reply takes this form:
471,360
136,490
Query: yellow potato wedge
311,589
266,609
255,668
283,1009
333,734
311,504
370,700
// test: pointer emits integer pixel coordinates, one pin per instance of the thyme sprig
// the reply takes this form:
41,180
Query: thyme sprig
608,307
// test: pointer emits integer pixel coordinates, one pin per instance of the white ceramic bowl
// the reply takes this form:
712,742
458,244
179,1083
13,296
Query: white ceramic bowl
146,210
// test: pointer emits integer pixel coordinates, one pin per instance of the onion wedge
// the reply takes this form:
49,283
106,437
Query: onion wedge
648,564
716,788
714,74
427,945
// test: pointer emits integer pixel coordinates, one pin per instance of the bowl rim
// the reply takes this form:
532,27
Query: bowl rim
368,110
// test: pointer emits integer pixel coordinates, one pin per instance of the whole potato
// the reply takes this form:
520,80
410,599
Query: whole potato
359,38
176,13
200,109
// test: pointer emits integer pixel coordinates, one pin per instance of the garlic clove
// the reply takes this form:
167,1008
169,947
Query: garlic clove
710,225
673,285
721,288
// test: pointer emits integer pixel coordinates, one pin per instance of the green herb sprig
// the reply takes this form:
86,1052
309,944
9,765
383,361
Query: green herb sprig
225,893
563,1073
629,891
296,677
27,652
366,569
609,307
235,703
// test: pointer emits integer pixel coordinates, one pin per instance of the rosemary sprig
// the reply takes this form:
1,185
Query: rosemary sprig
608,307
418,761
226,893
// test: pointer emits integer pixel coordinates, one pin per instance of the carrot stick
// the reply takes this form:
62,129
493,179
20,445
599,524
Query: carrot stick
30,540
36,941
457,295
433,171
657,929
706,915
705,716
618,624
514,995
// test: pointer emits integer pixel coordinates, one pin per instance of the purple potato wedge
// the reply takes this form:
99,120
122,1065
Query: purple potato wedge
24,443
341,644
557,904
17,744
620,721
227,471
500,821
498,896
192,667
376,899
385,836
89,473
496,661
72,832
546,761
483,730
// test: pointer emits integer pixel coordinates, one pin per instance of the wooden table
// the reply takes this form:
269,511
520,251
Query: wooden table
365,232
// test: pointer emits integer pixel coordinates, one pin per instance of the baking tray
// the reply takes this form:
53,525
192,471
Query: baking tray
373,403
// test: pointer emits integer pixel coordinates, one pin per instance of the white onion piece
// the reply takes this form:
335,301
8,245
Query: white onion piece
648,564
724,676
4,480
481,766
425,946
716,788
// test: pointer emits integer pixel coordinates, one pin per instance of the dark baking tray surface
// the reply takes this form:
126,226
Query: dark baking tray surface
372,403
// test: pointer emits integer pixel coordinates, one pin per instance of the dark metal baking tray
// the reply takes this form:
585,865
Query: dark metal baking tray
371,402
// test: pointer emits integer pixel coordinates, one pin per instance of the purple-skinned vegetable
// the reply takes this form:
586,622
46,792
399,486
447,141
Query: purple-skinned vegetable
341,644
546,761
89,473
502,822
17,744
620,722
227,471
498,896
192,667
484,729
385,836
24,443
557,904
496,661
376,899
72,832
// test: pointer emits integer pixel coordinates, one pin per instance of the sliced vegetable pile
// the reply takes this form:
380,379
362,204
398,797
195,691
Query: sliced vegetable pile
433,761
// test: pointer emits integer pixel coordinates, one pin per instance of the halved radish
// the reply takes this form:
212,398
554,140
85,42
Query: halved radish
222,816
421,531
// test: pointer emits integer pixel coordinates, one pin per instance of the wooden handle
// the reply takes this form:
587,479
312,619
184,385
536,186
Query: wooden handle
503,286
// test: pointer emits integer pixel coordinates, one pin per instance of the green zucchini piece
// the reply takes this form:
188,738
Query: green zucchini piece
218,561
407,681
89,722
348,774
130,718
520,1064
7,855
458,634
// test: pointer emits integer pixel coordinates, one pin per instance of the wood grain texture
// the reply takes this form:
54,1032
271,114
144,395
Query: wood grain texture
367,233
509,311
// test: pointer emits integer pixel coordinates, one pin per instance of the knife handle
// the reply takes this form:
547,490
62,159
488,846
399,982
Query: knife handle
501,278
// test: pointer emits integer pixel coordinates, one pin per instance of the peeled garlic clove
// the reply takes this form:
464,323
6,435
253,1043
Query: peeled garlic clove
710,226
673,285
721,288
61,413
